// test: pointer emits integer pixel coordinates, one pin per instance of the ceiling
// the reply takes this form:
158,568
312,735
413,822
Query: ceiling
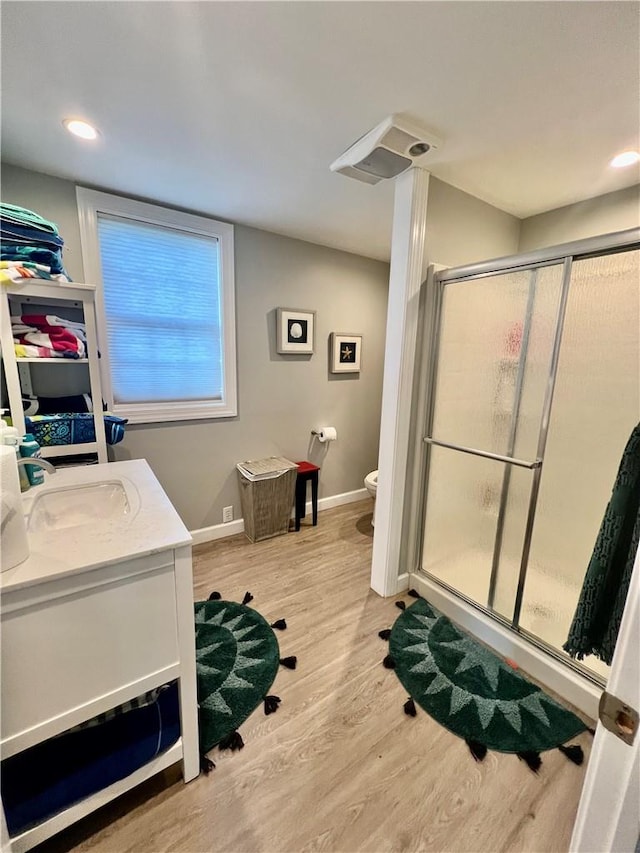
236,109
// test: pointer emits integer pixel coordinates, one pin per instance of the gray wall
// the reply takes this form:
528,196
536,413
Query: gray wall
281,398
603,214
462,229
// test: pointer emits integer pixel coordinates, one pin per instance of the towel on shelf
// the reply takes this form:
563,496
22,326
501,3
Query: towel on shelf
11,271
26,236
44,322
63,337
11,213
35,254
33,351
597,619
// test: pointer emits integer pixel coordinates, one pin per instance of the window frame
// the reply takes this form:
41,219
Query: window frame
92,203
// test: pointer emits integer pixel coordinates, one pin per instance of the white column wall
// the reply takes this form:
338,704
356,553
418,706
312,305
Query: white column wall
408,268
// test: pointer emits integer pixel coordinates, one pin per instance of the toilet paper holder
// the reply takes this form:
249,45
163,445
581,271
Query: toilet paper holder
325,434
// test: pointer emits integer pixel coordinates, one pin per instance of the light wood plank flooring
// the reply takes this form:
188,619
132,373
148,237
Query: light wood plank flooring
339,767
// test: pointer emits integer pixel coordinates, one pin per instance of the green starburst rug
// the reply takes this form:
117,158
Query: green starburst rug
237,657
473,692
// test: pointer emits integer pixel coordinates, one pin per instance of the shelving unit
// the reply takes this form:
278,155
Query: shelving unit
51,298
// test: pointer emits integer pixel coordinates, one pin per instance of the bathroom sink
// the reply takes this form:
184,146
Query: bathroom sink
86,504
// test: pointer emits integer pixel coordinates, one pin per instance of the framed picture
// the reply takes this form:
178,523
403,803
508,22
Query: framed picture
345,352
295,331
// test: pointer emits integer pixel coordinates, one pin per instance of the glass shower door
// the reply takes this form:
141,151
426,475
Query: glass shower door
495,344
596,404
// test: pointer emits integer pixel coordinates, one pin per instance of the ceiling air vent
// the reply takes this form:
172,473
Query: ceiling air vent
386,151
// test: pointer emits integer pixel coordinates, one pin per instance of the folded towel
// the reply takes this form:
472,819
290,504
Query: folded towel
44,321
12,251
50,332
11,271
23,216
33,351
10,233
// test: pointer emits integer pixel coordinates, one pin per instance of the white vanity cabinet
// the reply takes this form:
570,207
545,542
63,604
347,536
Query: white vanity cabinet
97,615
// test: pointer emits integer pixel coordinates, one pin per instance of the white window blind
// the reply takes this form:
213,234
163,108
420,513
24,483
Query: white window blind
165,309
161,296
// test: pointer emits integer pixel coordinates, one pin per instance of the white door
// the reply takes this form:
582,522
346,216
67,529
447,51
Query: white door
608,819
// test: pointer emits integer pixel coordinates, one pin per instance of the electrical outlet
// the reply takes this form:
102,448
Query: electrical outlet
227,514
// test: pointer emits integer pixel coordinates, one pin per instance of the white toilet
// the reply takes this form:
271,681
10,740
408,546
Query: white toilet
371,485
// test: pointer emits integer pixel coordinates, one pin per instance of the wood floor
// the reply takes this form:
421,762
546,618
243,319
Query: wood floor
339,767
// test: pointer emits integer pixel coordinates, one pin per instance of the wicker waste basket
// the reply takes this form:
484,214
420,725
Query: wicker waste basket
267,491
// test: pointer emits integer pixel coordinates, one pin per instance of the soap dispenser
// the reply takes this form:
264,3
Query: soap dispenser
15,545
29,447
10,437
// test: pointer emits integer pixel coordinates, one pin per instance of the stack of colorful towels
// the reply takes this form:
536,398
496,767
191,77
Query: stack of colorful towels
30,246
48,336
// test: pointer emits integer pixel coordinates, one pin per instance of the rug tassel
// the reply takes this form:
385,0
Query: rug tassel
233,741
389,662
414,593
206,764
247,598
573,752
271,704
289,662
477,749
385,634
401,605
410,707
532,759
279,625
215,596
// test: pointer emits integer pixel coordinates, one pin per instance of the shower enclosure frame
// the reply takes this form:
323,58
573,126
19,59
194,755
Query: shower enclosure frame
428,356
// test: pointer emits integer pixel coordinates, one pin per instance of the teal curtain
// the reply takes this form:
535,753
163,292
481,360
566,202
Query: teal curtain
596,622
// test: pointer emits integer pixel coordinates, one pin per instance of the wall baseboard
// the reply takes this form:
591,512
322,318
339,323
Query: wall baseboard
339,500
232,528
217,531
403,583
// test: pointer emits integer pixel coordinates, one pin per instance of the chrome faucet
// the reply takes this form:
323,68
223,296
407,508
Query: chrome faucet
39,463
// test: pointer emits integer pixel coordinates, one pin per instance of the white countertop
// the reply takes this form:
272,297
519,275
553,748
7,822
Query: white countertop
155,527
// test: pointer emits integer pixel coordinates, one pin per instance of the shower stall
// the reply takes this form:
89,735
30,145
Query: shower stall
530,390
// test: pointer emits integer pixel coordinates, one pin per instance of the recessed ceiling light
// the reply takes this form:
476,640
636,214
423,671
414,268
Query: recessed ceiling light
627,158
80,128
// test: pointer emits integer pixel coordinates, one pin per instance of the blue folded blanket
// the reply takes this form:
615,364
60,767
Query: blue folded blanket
55,774
72,428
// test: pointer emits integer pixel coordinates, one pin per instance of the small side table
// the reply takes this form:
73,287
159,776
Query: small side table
306,471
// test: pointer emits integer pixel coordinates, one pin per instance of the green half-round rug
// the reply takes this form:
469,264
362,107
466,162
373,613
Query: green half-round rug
237,658
470,690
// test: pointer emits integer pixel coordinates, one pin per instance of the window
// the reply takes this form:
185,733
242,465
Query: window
166,318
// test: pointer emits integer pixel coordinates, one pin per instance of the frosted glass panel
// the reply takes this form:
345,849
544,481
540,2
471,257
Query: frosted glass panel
596,405
461,521
493,331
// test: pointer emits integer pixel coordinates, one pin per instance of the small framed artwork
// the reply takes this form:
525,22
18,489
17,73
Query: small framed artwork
345,352
295,331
